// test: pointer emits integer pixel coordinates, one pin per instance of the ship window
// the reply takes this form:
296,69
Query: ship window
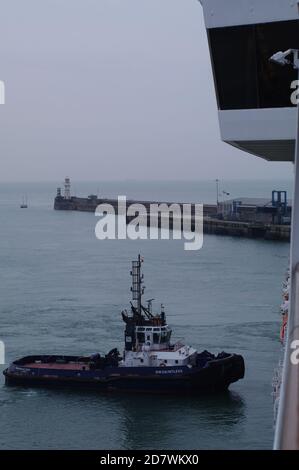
156,338
176,361
140,337
148,338
141,360
244,77
164,337
148,329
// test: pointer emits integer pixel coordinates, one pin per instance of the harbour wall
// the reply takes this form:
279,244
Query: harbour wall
211,223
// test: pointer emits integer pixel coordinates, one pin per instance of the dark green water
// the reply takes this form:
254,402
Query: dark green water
62,291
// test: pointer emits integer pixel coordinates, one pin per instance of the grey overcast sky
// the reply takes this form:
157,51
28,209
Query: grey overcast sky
112,89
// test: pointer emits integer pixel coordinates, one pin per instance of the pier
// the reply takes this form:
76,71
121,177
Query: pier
213,221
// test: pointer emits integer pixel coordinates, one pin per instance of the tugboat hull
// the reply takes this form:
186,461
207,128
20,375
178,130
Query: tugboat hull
215,375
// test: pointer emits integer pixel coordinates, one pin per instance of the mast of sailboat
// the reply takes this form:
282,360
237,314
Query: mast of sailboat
24,203
137,287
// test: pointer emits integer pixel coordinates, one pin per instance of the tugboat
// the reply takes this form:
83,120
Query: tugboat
150,362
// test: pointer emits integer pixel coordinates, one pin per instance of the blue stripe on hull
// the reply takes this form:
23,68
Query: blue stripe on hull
216,375
145,380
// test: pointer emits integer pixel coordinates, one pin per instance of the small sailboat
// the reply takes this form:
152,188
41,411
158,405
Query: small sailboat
24,203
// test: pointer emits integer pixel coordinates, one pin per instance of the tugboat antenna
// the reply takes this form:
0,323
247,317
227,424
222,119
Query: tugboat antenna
137,281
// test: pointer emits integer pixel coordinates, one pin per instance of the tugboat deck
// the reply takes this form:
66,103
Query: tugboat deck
67,366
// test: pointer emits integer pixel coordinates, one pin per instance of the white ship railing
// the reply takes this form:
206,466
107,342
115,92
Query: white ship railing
287,425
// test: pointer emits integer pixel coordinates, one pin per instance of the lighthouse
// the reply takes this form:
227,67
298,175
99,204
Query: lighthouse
67,189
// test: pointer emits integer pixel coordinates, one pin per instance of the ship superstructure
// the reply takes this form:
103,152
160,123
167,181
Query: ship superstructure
254,48
254,94
147,335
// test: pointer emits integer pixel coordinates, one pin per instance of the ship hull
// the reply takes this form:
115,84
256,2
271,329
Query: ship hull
215,376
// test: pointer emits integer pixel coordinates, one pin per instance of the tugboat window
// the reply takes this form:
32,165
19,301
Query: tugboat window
156,338
164,336
140,337
244,77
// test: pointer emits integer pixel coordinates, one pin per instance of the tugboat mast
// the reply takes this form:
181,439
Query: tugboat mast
137,280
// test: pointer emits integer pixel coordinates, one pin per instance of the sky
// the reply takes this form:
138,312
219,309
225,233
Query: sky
112,90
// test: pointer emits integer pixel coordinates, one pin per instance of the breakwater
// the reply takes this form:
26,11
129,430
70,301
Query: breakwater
212,224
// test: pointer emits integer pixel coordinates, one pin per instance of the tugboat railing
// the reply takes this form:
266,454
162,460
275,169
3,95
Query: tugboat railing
287,424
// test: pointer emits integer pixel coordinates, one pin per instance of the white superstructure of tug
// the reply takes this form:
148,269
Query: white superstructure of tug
147,335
